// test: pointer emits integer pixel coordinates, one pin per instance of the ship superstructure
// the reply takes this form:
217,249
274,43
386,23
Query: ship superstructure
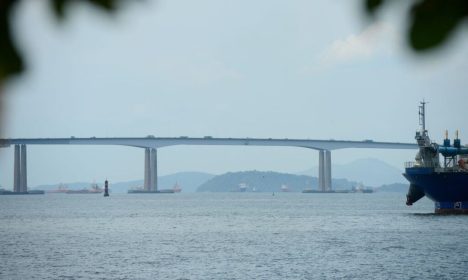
95,189
439,171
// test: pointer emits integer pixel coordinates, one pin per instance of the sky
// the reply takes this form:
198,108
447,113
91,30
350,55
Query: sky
272,69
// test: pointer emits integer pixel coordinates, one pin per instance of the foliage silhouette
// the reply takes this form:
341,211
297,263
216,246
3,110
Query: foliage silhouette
431,22
11,61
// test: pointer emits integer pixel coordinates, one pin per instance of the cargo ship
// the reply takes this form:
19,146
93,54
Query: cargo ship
176,188
439,172
140,191
95,189
242,187
361,189
61,189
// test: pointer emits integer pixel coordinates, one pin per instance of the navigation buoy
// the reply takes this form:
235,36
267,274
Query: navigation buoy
106,188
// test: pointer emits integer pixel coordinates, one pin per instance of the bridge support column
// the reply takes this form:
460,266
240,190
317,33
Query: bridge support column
20,180
327,171
17,170
151,170
24,171
321,173
154,170
147,179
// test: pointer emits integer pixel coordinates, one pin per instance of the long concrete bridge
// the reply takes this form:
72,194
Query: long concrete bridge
151,144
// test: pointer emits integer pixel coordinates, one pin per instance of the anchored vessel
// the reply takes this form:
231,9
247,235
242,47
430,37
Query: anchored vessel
176,188
147,191
95,189
141,190
446,182
242,187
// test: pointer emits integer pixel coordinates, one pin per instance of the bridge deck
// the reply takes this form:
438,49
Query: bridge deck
158,142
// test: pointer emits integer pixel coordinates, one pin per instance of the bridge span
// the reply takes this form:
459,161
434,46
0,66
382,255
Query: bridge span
151,144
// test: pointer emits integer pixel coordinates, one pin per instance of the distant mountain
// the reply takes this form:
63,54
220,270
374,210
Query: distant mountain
188,181
397,187
267,182
369,171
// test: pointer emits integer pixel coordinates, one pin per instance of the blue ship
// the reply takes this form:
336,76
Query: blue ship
439,172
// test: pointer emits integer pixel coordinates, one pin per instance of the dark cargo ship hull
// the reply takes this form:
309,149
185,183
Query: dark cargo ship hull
449,190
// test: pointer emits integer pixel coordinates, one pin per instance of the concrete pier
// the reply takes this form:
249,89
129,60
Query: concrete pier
154,170
324,172
17,170
321,175
23,170
20,178
327,171
147,179
151,170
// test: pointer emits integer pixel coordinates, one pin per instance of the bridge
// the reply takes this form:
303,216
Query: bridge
151,144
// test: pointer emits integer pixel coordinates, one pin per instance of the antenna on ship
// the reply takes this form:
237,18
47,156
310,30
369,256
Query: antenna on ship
422,117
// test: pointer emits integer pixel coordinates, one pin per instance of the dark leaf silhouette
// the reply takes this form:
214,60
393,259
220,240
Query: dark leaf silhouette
60,6
431,22
434,21
11,62
373,5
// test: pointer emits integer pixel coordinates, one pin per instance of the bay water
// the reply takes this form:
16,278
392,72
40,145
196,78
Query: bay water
229,236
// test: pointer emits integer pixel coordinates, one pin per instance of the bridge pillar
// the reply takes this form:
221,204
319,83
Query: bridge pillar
327,171
321,173
17,170
154,170
23,170
147,179
20,177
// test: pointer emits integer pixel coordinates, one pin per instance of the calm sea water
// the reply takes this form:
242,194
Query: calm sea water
229,236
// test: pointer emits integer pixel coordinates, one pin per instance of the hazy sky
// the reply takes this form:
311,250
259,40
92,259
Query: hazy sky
280,69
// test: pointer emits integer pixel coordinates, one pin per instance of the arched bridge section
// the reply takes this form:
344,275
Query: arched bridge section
151,144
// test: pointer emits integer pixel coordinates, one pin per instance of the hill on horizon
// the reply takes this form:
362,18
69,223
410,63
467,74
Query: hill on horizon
267,181
370,171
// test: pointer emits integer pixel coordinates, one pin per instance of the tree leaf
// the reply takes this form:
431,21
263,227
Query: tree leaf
432,22
372,6
108,5
58,6
10,59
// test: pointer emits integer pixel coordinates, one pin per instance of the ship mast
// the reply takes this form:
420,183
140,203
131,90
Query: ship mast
422,136
422,117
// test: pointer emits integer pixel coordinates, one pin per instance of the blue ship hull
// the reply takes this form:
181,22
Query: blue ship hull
449,190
